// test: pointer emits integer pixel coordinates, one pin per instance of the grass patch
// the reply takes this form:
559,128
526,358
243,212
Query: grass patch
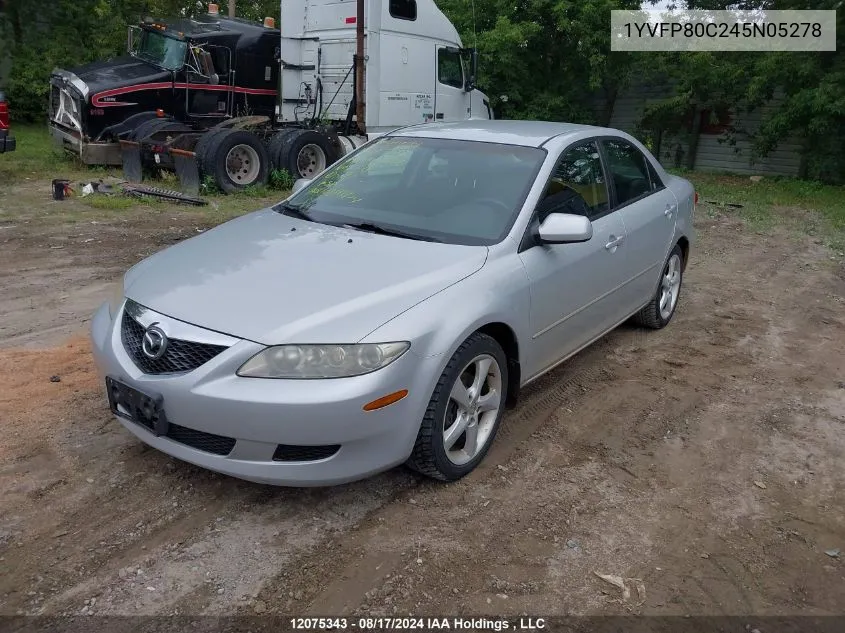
37,157
111,203
813,207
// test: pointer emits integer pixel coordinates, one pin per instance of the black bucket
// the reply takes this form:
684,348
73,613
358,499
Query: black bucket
60,188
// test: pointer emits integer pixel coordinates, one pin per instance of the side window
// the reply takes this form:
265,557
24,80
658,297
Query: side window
403,9
577,184
628,169
449,69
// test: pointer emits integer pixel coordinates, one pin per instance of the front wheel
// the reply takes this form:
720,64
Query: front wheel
464,412
661,308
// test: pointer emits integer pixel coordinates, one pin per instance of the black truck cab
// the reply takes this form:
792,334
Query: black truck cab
198,71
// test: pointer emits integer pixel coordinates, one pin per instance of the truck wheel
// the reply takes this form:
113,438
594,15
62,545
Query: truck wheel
275,148
306,153
238,159
202,150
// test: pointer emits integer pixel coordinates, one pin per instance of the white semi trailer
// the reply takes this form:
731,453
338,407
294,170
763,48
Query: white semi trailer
231,100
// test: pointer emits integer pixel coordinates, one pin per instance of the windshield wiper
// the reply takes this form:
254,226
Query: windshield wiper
369,227
292,210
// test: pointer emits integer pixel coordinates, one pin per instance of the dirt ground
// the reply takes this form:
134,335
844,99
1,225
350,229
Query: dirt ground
702,463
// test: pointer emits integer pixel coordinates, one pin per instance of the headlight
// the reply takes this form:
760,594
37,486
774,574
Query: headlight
116,298
321,361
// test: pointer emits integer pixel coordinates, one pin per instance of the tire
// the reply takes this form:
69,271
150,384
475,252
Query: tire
652,316
236,159
431,455
203,157
305,153
275,147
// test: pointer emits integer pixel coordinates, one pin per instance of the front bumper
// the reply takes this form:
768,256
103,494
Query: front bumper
90,153
7,143
261,414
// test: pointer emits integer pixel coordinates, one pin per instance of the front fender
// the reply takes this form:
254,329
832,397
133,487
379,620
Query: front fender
498,293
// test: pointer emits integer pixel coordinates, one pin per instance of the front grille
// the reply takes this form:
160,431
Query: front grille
292,453
180,356
208,442
55,101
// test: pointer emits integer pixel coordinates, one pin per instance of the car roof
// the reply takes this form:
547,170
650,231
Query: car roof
526,133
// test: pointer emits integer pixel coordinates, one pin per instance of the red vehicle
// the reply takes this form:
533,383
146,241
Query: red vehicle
7,141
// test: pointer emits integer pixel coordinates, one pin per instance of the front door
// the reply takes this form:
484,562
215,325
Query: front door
649,209
574,287
451,102
209,89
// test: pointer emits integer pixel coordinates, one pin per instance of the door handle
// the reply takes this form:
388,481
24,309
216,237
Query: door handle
614,242
670,209
439,115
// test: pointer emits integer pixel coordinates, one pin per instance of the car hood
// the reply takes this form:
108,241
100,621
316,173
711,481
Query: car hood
274,279
116,73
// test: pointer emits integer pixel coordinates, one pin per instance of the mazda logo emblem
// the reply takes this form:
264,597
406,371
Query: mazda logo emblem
154,344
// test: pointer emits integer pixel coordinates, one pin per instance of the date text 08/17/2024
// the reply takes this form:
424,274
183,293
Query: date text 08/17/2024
417,624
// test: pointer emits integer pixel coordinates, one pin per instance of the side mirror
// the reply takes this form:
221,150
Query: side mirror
299,185
563,228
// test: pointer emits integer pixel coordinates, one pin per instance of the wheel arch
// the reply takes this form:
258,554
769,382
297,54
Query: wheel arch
504,335
684,243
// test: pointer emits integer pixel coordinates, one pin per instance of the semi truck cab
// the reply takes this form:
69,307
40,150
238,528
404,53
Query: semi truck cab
335,75
416,69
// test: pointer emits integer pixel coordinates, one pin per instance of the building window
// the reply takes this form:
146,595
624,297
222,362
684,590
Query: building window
403,9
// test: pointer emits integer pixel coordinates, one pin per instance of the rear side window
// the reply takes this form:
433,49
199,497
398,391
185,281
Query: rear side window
449,69
628,170
403,9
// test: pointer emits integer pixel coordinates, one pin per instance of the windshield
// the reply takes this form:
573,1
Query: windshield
162,50
460,192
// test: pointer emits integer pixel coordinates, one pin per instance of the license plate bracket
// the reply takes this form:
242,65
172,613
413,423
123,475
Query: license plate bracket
144,409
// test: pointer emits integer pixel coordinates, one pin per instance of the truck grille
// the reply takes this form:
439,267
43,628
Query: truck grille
55,101
180,356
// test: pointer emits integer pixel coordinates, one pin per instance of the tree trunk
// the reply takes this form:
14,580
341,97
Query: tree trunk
609,104
694,136
231,8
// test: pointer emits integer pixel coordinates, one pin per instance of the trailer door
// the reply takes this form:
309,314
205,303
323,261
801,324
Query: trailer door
451,101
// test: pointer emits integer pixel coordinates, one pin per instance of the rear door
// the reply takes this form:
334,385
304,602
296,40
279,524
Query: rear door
648,208
451,102
574,287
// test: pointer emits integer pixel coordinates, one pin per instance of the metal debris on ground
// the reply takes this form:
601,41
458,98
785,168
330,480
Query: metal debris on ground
143,191
833,553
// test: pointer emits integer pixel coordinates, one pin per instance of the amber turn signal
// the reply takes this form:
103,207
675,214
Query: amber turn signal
387,400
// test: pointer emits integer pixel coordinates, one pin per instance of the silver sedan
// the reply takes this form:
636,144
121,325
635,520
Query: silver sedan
390,310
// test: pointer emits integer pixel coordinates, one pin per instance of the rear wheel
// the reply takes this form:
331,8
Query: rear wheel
306,153
236,159
661,308
464,412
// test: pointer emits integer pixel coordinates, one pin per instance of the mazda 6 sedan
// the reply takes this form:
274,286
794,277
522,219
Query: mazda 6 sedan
391,309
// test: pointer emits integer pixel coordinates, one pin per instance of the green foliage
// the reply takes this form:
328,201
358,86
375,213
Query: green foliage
281,180
543,59
208,186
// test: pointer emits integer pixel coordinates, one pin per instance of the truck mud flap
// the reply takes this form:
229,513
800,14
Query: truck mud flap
130,152
187,170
